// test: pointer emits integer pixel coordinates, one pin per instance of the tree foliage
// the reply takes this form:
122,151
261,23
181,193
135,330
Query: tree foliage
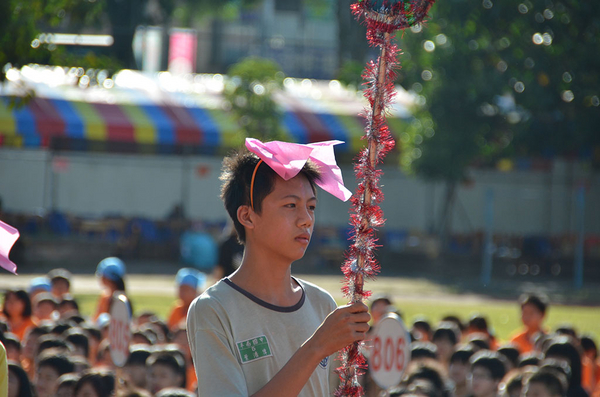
501,78
250,92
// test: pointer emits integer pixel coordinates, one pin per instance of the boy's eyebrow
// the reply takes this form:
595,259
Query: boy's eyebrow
297,197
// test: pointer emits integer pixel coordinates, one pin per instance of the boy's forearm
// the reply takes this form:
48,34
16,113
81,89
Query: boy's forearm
290,380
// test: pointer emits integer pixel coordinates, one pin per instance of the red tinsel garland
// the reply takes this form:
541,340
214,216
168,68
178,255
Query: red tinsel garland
382,19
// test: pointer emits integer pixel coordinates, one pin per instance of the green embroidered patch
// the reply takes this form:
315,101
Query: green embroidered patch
254,349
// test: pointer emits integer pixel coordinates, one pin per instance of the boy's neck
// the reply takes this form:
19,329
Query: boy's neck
271,282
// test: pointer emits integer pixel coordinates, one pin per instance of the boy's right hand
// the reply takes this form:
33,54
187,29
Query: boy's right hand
343,326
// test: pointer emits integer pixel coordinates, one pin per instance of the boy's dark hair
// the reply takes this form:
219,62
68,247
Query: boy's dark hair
138,354
23,296
587,343
446,330
423,350
456,320
558,366
93,331
59,362
39,330
566,329
511,353
174,392
513,382
10,339
51,341
531,358
69,379
462,354
102,382
237,176
25,386
563,347
68,300
60,274
148,336
491,361
45,297
60,328
381,298
429,372
79,338
479,341
168,359
554,381
539,301
478,323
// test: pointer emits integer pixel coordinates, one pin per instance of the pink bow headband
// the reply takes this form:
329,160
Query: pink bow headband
287,160
8,236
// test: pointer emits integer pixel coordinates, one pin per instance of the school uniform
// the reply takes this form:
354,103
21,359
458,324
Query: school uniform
239,342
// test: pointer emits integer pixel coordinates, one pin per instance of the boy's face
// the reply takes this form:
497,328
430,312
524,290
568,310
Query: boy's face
285,225
59,287
46,381
537,389
136,374
445,348
531,316
482,382
378,310
161,376
43,310
187,293
458,372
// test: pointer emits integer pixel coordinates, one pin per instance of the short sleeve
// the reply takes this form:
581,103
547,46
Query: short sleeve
217,368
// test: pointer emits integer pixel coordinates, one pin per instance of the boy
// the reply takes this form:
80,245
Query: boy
261,331
459,370
188,282
546,383
60,282
533,311
165,369
50,367
487,370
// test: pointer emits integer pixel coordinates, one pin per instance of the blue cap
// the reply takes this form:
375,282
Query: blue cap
191,277
112,268
39,284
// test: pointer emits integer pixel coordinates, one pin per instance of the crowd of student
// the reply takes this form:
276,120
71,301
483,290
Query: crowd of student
53,350
456,359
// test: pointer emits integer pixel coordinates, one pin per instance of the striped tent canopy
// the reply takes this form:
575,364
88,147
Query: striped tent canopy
165,113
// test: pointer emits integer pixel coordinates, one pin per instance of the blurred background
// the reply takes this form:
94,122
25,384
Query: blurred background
115,115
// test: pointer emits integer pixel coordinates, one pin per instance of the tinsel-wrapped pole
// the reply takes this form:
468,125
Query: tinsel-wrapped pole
383,18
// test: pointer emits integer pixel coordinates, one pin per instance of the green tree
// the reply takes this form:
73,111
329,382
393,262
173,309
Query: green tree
496,79
250,92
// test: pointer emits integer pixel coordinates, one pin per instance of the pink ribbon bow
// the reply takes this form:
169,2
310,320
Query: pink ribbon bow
8,236
287,160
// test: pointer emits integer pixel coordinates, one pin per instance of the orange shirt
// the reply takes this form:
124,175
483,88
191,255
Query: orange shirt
178,314
523,342
21,328
191,379
590,375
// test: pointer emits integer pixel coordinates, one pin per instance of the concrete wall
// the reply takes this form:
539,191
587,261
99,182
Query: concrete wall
95,185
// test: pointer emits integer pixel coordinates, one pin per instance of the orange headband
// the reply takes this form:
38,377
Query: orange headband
252,184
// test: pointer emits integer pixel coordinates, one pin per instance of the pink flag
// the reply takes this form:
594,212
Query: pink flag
8,236
287,160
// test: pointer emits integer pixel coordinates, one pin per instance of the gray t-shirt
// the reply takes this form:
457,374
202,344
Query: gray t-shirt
239,342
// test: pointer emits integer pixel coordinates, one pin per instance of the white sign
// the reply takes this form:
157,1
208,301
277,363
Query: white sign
119,333
390,351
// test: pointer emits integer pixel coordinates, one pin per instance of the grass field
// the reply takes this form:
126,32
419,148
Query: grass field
414,298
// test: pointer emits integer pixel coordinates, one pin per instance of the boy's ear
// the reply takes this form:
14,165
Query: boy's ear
244,215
